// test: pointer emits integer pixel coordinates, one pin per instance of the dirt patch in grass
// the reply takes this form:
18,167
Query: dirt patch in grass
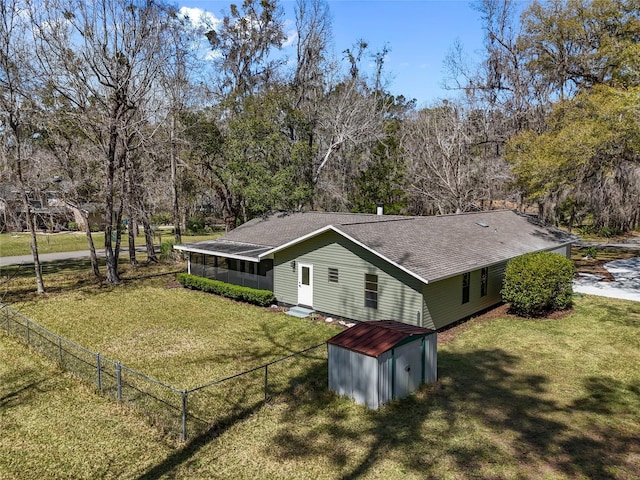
173,284
594,266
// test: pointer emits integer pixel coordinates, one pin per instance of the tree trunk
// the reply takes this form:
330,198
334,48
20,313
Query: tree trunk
148,237
34,244
118,232
92,248
113,276
30,221
132,241
177,233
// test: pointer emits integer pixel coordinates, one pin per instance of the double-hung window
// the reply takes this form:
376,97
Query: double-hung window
484,281
466,283
371,290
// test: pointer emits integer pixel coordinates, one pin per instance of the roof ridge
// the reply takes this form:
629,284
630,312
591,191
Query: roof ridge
479,212
382,220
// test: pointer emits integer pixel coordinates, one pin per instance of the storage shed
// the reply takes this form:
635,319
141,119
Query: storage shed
375,362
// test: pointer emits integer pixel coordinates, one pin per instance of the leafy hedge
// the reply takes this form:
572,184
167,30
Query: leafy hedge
538,283
262,298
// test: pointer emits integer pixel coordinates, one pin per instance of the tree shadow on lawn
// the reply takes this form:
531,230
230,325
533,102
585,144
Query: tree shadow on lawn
483,413
70,275
626,314
184,454
20,387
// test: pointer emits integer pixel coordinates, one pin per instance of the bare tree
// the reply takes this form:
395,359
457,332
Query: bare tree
313,30
17,107
352,112
447,165
502,81
103,58
77,163
178,89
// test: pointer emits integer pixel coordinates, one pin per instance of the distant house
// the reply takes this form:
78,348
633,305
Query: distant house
424,271
49,207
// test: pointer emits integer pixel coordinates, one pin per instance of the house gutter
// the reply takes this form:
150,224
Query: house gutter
218,254
487,265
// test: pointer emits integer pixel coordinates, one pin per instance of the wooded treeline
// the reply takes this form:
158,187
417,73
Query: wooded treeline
117,99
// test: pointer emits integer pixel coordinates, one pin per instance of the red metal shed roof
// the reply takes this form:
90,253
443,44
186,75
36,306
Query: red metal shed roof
375,338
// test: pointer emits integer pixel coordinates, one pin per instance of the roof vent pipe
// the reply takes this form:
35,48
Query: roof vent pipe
380,209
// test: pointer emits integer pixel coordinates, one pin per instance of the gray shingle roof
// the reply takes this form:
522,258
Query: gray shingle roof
431,248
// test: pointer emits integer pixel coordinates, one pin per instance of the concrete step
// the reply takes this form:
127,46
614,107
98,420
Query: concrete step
300,312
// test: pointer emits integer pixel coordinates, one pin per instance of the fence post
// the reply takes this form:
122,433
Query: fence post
184,415
6,316
119,381
28,332
99,366
60,348
266,382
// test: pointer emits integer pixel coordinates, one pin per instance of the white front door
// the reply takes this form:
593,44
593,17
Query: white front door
305,285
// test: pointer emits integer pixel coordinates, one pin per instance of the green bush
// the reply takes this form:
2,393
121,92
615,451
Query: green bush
195,224
538,283
162,218
73,226
166,250
262,298
608,232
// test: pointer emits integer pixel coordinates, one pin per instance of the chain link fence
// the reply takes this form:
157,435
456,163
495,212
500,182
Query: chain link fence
177,412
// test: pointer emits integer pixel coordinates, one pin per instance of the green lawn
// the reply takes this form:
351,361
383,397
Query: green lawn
18,243
551,399
182,337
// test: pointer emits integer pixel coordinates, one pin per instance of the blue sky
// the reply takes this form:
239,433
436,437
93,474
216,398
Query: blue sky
419,34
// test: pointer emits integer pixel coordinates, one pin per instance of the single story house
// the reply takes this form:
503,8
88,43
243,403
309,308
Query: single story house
425,271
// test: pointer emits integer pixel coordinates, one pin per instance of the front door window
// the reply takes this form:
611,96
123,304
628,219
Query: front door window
305,285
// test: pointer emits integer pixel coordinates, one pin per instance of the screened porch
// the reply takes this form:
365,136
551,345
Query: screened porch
231,270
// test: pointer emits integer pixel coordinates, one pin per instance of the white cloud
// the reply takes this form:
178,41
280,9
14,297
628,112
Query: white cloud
292,37
200,18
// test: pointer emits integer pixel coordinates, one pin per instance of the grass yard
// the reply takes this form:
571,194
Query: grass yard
18,243
548,399
182,337
54,427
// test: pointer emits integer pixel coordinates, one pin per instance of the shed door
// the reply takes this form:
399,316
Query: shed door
305,285
408,369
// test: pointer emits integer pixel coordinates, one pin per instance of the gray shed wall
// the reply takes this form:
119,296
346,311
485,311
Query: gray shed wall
353,375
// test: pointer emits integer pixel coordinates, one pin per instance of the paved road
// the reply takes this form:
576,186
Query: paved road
55,257
635,245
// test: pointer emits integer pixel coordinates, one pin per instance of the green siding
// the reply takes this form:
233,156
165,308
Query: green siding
443,299
399,294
